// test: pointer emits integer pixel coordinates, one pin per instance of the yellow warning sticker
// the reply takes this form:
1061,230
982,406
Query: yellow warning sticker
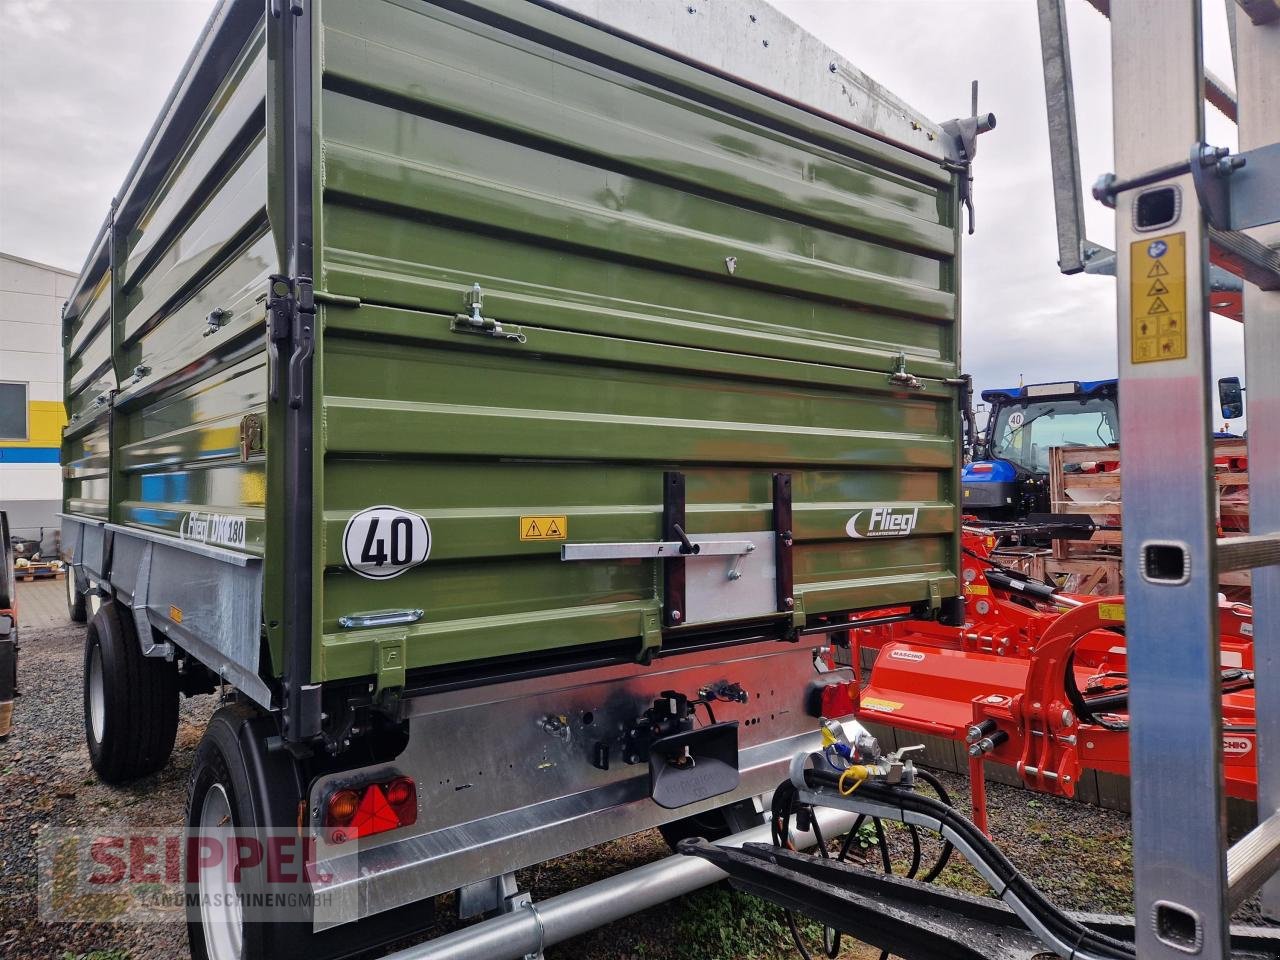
977,589
1113,612
882,706
544,528
1158,298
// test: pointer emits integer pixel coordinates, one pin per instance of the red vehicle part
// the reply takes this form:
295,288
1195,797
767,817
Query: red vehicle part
1037,685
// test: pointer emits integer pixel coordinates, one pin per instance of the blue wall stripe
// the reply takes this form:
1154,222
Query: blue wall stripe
29,454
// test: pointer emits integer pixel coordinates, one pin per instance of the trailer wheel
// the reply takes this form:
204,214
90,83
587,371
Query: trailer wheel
238,784
130,701
76,608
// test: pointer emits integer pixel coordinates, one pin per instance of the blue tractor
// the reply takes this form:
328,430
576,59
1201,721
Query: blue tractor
1008,476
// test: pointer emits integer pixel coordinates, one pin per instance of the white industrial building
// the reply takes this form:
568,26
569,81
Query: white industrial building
31,403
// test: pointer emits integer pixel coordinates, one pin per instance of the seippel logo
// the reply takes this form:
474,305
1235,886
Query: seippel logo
882,522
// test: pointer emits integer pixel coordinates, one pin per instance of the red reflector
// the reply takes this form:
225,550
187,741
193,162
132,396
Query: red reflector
376,808
375,814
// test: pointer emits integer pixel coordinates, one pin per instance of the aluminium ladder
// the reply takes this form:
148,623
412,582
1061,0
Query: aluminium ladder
1187,881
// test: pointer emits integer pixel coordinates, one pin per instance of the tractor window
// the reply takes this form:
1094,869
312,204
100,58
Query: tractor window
1024,433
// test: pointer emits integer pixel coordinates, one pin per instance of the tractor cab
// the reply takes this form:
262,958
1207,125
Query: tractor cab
1008,476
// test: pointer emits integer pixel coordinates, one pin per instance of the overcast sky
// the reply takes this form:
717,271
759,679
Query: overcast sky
82,80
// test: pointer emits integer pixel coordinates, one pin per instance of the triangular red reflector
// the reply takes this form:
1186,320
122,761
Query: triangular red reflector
374,815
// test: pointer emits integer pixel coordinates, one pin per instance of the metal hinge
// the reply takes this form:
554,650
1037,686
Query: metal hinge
291,312
473,321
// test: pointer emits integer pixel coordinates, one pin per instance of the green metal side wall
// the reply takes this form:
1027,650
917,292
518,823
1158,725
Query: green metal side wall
596,200
169,447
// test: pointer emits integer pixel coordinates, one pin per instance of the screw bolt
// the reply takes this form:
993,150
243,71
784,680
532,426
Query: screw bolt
789,603
676,616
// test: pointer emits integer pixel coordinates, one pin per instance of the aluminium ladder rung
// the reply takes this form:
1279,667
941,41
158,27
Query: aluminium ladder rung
1246,553
1248,259
1252,860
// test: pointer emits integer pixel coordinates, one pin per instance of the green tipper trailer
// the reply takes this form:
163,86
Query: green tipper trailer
507,401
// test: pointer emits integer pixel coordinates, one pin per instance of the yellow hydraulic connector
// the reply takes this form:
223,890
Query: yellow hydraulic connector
855,774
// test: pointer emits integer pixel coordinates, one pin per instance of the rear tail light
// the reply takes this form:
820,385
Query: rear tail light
371,809
832,695
840,699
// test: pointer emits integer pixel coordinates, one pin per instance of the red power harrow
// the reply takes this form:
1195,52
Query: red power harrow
1036,679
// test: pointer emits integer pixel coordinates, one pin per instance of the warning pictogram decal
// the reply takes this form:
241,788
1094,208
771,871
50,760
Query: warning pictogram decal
1158,299
544,528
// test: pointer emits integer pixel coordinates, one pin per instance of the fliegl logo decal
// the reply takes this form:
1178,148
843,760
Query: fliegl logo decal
882,522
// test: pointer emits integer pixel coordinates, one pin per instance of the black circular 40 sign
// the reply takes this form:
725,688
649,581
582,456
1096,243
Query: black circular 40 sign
383,542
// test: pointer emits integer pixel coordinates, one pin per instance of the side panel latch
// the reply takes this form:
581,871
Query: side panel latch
474,321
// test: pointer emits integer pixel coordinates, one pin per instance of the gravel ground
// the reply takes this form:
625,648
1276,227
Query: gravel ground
1079,855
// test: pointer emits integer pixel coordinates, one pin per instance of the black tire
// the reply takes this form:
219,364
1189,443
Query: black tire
264,789
130,701
76,607
7,582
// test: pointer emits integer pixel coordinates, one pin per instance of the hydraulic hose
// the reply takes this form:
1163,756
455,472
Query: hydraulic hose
786,804
1065,935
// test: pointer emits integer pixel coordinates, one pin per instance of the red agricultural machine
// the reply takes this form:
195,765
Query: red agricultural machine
1036,679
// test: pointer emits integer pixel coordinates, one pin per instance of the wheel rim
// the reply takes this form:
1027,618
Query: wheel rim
71,589
97,701
220,911
95,603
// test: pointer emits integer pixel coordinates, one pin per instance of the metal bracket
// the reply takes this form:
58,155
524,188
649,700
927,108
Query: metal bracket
964,132
473,321
487,896
784,545
138,607
673,573
1237,191
389,665
1231,199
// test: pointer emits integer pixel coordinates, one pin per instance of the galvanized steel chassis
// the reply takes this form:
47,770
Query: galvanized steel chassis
506,778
